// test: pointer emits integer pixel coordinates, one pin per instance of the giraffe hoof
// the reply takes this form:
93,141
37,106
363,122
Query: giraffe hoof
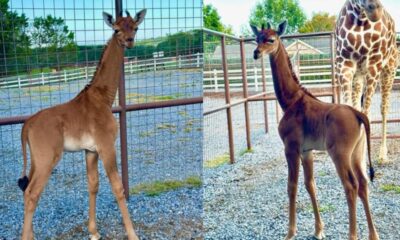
290,237
95,236
319,236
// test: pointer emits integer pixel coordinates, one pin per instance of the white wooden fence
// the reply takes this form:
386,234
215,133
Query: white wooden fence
213,80
132,66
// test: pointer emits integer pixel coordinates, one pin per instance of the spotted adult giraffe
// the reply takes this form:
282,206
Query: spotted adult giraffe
84,123
366,52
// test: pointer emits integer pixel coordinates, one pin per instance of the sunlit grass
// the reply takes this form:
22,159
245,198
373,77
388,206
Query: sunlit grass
391,188
158,187
217,161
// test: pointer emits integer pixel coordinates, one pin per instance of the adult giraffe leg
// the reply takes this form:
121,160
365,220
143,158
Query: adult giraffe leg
293,160
358,87
345,78
387,79
308,162
93,187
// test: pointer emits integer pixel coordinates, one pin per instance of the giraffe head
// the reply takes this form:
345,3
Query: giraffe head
267,39
372,8
125,28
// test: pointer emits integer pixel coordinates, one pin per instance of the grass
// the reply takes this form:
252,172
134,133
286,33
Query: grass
158,187
146,134
217,161
244,151
391,188
166,126
42,89
142,98
322,208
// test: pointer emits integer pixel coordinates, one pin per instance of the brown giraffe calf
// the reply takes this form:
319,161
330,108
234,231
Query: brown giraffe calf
310,124
84,123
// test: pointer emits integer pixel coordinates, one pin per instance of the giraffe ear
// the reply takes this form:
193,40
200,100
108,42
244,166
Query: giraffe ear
254,29
108,19
282,28
268,25
139,17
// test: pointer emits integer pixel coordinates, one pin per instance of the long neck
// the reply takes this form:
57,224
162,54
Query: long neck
286,84
108,73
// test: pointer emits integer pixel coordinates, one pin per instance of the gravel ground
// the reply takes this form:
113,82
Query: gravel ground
163,144
248,200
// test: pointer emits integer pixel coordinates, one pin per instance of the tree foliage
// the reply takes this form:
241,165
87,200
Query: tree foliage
320,22
14,42
51,32
275,11
212,20
51,36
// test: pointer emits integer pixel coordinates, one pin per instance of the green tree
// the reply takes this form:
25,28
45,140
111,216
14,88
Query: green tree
320,22
212,20
54,42
275,11
14,42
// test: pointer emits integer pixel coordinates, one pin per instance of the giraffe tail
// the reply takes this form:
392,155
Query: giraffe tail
365,121
24,181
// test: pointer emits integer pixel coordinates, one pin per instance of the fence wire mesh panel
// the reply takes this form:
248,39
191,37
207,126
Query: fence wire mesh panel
49,51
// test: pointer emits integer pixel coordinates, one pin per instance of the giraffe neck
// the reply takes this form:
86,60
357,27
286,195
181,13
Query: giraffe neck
105,80
286,84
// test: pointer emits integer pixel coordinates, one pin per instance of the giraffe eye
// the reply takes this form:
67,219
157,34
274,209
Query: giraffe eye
270,40
136,29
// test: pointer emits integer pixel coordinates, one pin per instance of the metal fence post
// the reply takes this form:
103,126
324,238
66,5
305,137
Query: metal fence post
228,101
198,59
122,119
245,94
179,61
19,82
42,78
335,88
65,76
264,89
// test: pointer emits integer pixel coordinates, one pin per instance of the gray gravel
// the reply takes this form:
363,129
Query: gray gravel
248,200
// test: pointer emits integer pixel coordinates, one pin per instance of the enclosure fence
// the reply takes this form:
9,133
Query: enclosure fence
236,84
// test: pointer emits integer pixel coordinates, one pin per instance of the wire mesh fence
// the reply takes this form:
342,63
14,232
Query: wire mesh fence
48,53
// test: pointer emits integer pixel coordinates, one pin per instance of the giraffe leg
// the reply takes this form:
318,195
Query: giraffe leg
345,78
386,88
108,155
293,160
359,166
350,185
307,161
43,158
358,87
93,187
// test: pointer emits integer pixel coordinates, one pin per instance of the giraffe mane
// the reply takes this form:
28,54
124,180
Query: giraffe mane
98,66
295,78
